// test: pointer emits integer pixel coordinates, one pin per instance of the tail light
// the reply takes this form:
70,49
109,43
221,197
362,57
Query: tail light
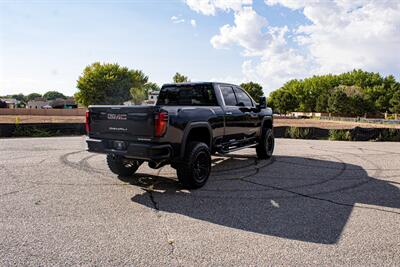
160,123
87,122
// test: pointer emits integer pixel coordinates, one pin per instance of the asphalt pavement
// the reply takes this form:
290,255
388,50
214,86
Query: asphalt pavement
314,203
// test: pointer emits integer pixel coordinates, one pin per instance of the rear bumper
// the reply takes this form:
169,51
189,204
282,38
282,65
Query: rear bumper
132,150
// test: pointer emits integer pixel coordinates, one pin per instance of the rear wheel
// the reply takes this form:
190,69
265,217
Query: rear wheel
194,172
266,146
122,166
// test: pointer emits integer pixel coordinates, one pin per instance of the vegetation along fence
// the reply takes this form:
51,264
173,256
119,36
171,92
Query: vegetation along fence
43,112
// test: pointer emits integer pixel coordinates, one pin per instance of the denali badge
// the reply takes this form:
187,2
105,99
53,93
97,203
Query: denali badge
117,129
121,117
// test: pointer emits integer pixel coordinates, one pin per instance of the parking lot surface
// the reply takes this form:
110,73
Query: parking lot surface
314,203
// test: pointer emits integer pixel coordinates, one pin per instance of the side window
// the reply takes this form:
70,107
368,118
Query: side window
229,95
242,97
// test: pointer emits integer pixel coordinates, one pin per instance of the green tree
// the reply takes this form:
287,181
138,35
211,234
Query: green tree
338,102
108,84
395,103
150,86
179,78
32,96
138,95
322,103
254,89
365,91
51,95
283,101
19,97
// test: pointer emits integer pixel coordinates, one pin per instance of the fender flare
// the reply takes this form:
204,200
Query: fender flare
187,130
265,120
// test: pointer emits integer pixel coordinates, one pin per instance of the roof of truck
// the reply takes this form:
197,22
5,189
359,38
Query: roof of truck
195,83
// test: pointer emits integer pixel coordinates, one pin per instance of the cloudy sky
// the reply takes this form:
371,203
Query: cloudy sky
44,45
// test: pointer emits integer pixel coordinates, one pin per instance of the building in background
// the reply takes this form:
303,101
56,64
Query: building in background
38,103
11,102
59,103
152,98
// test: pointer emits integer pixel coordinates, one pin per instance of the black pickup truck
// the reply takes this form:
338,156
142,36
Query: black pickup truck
189,122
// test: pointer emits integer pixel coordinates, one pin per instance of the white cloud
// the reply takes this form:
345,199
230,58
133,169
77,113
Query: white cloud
193,22
278,62
247,32
210,7
177,20
340,35
344,35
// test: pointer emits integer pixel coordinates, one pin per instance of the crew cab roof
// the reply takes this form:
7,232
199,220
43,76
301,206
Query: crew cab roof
196,83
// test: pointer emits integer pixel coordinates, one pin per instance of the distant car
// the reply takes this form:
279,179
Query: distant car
47,107
189,122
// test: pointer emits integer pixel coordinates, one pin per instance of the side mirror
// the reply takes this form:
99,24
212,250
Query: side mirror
262,102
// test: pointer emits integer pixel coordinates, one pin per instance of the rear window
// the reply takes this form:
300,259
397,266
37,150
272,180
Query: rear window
187,95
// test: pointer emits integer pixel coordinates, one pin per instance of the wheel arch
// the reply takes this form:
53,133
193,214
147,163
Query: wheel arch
267,123
196,131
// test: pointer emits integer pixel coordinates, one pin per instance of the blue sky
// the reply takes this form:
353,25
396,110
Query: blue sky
44,45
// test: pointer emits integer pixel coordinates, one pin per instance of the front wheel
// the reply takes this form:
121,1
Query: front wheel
266,146
122,166
194,172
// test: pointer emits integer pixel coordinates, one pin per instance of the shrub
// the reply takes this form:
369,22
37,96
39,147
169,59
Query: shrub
389,134
298,133
339,135
22,131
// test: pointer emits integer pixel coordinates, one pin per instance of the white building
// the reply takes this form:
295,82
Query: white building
152,98
37,103
153,95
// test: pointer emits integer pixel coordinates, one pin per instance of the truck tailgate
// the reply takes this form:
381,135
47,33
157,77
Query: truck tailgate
122,122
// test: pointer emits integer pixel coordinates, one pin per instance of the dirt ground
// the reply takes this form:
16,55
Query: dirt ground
277,122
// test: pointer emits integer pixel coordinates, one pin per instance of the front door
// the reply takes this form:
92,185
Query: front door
234,117
250,122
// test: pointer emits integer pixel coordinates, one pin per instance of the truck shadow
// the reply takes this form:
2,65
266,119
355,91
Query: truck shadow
289,197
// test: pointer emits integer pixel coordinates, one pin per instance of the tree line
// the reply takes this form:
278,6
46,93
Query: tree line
24,99
106,83
352,93
111,84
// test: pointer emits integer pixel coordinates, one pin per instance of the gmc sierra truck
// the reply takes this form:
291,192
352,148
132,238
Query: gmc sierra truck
189,123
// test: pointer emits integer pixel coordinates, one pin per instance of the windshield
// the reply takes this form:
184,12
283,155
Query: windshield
187,95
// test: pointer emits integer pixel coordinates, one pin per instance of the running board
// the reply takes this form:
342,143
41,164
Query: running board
222,151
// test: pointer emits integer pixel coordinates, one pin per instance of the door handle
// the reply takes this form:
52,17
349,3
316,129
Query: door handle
228,113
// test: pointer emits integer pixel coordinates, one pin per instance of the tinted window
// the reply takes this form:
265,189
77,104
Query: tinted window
229,96
187,95
242,97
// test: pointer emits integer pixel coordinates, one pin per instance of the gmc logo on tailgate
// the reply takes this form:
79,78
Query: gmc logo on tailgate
120,117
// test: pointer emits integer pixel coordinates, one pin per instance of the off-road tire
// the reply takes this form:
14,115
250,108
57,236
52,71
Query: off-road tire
194,172
121,166
266,146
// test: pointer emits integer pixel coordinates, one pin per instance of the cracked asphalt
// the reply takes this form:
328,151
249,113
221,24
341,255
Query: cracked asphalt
314,203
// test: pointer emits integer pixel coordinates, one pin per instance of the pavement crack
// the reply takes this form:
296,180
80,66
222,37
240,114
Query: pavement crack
152,199
170,241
